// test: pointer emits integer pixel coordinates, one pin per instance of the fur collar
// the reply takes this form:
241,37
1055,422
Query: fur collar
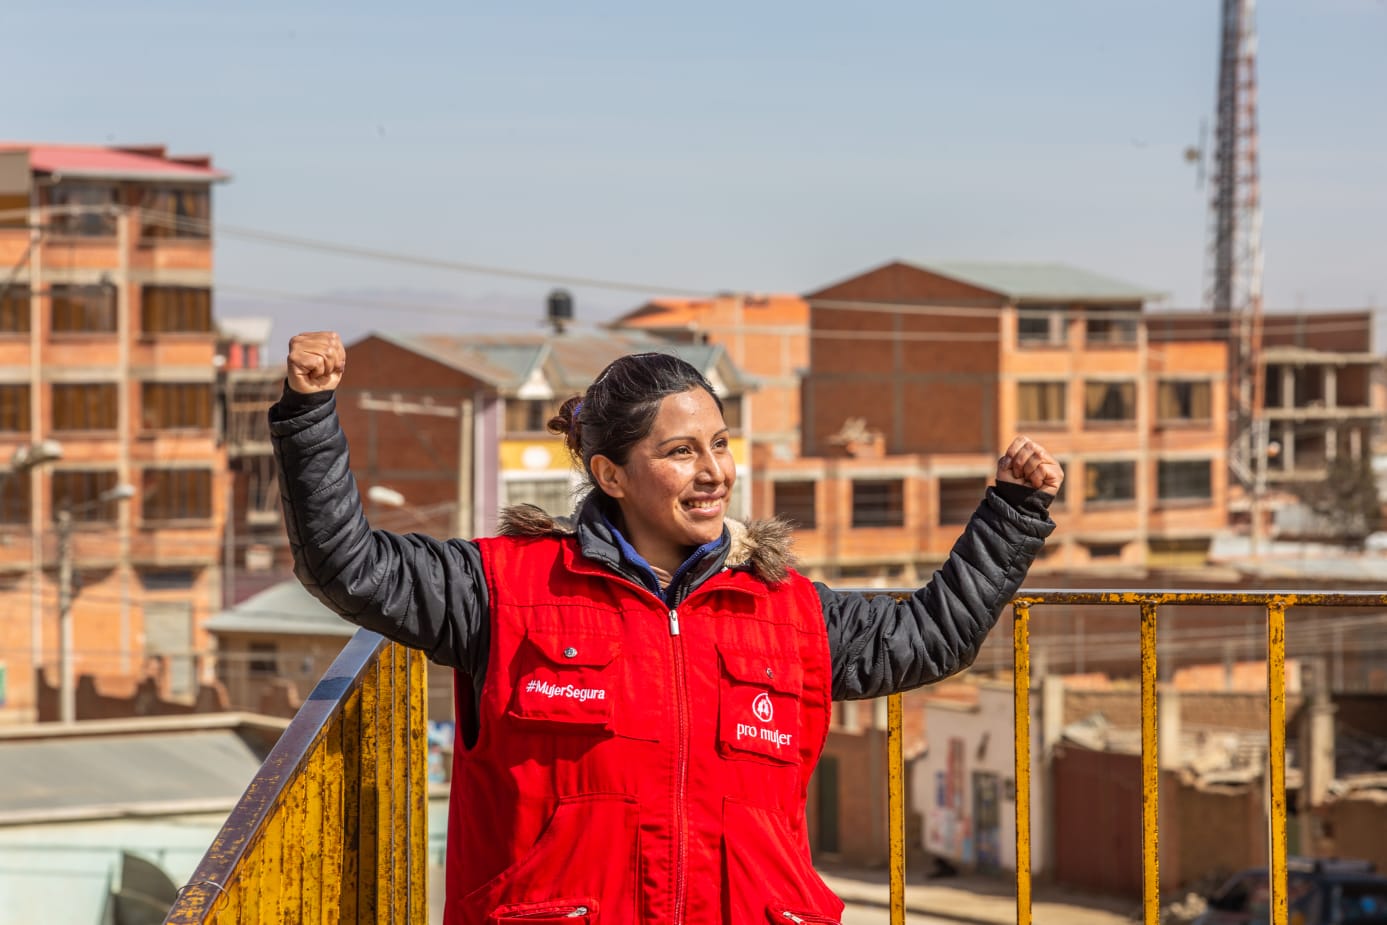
761,545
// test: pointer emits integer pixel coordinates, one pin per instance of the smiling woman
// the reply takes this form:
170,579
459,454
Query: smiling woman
644,687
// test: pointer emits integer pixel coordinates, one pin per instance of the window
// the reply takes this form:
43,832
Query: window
878,503
794,501
84,406
177,494
1040,403
553,496
1105,550
175,310
14,309
1109,326
529,415
84,309
958,498
167,405
1179,400
84,210
264,661
81,490
1110,402
1109,482
168,579
1040,327
1184,480
14,408
176,212
14,498
732,412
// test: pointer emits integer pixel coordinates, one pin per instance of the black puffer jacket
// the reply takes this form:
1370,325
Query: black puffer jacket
431,594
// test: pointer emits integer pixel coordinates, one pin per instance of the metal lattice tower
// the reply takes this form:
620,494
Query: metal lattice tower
1235,278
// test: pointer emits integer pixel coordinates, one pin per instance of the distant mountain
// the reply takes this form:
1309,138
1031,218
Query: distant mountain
356,313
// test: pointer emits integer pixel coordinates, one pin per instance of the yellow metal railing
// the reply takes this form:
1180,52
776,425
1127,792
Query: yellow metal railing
333,828
1148,604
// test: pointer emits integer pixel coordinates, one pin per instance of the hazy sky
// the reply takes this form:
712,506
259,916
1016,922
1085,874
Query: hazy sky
757,146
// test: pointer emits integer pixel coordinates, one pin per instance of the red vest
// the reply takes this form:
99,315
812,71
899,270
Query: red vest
637,764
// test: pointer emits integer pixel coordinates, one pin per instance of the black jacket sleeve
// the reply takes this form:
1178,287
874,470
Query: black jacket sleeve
416,590
881,645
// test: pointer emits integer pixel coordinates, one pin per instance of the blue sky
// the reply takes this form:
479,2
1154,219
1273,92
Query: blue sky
771,146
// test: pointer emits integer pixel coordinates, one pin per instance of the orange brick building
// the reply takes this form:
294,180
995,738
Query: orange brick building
920,375
106,408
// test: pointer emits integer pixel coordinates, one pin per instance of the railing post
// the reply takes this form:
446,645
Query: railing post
1276,757
1150,770
1021,690
895,801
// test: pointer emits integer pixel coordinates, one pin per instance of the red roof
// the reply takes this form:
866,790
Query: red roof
133,163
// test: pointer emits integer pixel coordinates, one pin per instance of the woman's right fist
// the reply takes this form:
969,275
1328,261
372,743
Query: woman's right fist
316,361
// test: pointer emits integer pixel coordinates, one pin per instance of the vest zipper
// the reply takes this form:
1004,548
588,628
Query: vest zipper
681,862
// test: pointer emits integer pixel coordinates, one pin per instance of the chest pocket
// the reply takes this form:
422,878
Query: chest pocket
567,682
758,706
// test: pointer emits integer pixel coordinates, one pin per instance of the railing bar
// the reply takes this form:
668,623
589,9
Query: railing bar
1021,722
895,800
1150,769
1276,758
399,785
311,898
419,789
353,720
334,823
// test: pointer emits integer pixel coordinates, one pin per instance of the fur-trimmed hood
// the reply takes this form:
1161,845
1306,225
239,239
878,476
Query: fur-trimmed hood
760,545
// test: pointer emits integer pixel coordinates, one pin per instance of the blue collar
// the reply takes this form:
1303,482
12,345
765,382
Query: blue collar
647,574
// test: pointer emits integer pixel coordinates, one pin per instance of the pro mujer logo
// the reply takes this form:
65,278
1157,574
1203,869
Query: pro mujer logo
763,708
762,730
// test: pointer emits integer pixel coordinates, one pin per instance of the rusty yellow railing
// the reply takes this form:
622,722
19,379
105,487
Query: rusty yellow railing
1148,604
333,827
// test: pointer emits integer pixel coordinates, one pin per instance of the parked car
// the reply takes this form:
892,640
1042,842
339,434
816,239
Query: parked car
1319,891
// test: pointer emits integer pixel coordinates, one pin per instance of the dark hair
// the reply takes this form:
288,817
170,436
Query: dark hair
619,408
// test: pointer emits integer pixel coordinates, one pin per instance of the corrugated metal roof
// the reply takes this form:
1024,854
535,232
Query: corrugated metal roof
285,608
57,776
1056,282
110,163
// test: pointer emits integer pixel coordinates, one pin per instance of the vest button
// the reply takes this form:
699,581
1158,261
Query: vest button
769,673
570,652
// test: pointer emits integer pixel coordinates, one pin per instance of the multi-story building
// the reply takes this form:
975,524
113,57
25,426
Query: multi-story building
921,374
114,483
766,336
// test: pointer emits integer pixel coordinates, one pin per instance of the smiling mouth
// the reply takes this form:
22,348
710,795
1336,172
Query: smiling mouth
704,506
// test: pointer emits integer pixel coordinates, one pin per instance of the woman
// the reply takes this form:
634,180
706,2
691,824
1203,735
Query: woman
643,690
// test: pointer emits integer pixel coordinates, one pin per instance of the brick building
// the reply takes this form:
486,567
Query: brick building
106,408
921,374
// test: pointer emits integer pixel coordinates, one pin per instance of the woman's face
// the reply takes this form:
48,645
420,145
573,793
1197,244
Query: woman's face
675,486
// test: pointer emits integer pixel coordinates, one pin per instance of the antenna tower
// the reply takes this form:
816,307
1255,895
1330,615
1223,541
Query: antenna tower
1235,283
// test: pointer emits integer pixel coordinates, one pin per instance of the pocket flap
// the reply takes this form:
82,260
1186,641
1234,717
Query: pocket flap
573,649
774,671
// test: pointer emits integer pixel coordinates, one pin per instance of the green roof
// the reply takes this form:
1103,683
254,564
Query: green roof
1040,282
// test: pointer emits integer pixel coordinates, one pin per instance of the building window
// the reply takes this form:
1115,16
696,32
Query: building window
80,490
168,579
263,661
175,310
732,412
1110,482
1110,402
1039,403
794,501
878,503
1180,401
80,406
84,210
168,405
553,496
958,498
1040,327
84,309
14,309
14,408
1184,480
529,415
177,494
1108,326
14,498
176,212
1105,550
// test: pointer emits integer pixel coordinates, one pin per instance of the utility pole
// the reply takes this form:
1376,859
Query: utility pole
67,695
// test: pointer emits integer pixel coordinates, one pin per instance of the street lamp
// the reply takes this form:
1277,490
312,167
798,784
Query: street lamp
67,694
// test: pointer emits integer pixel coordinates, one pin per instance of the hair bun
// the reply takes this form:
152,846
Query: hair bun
565,424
